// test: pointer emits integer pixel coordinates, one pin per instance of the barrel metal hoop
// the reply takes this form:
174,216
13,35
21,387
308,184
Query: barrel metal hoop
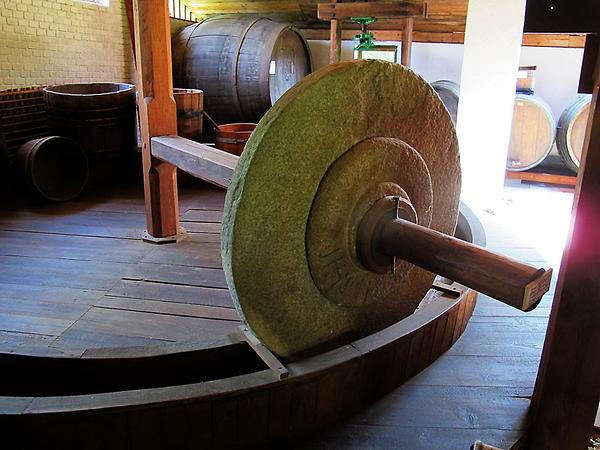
234,84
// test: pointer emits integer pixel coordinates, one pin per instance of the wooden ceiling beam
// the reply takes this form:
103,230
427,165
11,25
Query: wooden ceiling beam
204,8
529,40
345,11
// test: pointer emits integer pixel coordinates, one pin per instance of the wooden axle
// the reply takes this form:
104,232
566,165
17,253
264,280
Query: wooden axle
383,234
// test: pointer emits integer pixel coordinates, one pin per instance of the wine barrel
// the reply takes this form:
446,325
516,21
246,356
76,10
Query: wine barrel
100,117
532,133
54,168
189,112
242,63
571,131
449,93
232,137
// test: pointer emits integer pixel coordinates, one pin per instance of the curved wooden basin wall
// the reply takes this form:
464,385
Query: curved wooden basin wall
242,410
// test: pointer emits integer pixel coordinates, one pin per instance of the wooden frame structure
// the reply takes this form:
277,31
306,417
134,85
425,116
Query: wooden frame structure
567,389
336,12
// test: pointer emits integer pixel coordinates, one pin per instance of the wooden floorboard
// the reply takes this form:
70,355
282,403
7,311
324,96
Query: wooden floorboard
169,308
154,326
84,248
99,275
182,275
362,437
173,293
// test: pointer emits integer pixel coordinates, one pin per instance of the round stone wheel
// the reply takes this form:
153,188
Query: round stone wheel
348,134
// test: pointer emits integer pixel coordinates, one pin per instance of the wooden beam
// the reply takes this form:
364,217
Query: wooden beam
567,389
588,65
335,41
204,162
130,24
407,40
529,40
158,114
538,177
554,40
203,8
345,11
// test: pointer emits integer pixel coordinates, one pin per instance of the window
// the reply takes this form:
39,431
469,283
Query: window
383,52
179,10
97,2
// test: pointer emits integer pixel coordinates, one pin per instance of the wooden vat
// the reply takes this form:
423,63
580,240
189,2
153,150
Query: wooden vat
242,63
190,105
98,116
532,133
570,132
220,395
232,137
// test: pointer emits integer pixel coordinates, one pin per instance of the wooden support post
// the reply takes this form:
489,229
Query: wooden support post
158,116
335,41
407,40
567,389
130,24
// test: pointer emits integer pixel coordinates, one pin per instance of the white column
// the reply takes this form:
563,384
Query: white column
493,37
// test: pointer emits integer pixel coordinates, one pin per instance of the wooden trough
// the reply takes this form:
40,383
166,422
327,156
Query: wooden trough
222,395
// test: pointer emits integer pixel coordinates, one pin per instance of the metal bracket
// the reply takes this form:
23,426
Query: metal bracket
147,237
447,288
245,334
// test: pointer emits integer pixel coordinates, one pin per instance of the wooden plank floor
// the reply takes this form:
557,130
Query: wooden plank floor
77,276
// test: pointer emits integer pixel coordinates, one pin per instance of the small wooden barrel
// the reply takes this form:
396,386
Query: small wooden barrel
571,131
532,133
243,63
55,168
100,117
190,104
449,93
232,137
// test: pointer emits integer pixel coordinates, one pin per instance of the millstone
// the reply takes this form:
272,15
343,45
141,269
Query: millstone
346,136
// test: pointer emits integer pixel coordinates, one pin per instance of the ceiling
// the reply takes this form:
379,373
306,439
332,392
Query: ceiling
443,15
444,22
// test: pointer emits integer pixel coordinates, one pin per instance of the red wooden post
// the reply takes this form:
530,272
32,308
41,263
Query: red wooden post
158,115
568,385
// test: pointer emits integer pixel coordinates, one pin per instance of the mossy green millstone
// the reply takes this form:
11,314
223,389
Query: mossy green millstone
269,200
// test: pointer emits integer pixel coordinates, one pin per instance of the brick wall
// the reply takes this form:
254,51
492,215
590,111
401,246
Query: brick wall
63,41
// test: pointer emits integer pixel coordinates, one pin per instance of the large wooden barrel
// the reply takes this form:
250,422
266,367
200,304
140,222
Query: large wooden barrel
571,131
449,93
54,168
242,63
98,116
190,105
532,133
